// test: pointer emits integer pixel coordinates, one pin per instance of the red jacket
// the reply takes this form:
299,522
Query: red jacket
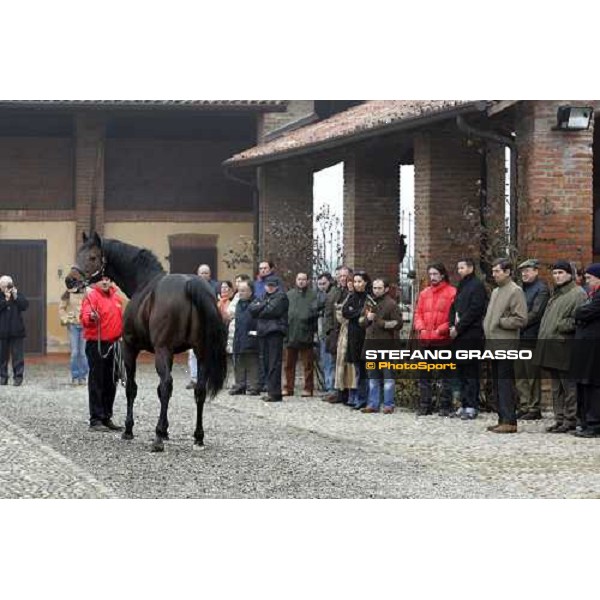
432,316
109,308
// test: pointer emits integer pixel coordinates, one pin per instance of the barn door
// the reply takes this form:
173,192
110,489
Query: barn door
25,262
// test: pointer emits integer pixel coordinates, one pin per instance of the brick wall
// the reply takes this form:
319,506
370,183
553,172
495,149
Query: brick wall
296,109
555,185
36,173
447,178
371,213
285,216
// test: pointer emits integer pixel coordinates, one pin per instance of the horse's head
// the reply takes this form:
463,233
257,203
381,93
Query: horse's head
90,260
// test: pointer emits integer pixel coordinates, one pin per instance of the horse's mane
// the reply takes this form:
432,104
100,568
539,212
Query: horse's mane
134,262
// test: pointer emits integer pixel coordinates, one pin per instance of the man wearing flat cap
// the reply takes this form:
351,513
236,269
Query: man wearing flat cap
271,313
553,349
527,374
585,360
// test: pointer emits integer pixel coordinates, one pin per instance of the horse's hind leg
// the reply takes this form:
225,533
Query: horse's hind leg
200,395
163,361
130,357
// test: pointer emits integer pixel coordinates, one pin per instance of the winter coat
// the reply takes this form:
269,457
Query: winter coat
585,349
302,318
70,308
231,327
387,322
506,313
536,295
108,327
335,297
11,316
245,338
432,315
558,326
468,309
345,373
352,310
271,312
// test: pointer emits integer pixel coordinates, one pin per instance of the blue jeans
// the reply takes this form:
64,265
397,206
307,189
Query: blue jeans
358,397
79,363
389,391
327,366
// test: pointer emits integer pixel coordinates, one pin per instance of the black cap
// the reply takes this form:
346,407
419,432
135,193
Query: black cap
270,280
563,265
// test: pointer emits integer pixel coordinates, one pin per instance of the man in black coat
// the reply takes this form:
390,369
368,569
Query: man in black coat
466,329
585,357
527,374
12,330
271,313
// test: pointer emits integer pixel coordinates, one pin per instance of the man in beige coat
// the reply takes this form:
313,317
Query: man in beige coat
505,316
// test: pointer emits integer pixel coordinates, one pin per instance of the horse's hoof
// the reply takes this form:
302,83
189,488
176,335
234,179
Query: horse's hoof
198,447
126,436
158,447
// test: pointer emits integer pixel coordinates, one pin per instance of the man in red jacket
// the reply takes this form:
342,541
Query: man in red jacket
102,320
432,326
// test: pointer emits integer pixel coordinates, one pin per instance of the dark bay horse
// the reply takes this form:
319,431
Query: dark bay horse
167,314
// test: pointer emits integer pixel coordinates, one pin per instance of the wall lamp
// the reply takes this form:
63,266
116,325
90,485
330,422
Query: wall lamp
573,118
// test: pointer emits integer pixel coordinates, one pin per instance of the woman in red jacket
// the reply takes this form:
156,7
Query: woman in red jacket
432,326
102,320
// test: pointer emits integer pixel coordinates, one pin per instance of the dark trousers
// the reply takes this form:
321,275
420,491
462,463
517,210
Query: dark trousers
11,348
273,346
263,363
306,355
588,406
503,379
102,387
468,376
426,392
245,367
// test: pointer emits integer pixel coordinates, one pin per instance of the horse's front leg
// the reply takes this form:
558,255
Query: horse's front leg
200,395
163,361
130,357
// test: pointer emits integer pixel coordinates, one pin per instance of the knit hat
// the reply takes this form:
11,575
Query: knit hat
532,263
563,265
594,269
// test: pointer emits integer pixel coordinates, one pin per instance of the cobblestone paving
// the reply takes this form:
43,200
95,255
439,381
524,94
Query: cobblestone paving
301,448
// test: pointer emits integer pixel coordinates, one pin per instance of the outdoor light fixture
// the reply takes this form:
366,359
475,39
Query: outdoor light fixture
573,118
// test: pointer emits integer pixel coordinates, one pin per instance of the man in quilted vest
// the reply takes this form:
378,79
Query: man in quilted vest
432,327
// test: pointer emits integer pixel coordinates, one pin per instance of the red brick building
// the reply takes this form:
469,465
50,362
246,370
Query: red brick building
458,150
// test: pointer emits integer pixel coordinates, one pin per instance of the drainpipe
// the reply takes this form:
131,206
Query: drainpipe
496,138
251,184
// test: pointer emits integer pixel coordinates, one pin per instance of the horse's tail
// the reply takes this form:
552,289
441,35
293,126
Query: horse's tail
215,334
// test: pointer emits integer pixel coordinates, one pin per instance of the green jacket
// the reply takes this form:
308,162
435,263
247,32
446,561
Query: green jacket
506,313
558,326
302,318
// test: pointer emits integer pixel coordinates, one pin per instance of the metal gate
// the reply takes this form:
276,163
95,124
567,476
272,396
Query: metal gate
25,262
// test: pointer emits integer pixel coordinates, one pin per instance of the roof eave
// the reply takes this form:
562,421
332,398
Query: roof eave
404,124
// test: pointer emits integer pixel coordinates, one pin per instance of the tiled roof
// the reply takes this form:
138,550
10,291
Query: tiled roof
366,119
261,105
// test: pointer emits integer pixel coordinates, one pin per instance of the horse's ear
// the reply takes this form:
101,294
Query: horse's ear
84,237
97,240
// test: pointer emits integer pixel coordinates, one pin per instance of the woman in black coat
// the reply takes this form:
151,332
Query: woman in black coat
12,330
353,310
585,357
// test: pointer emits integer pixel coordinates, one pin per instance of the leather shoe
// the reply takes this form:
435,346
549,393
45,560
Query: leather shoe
237,392
505,428
369,410
17,382
422,412
492,427
286,393
587,433
271,399
388,410
530,416
564,428
110,425
98,427
553,428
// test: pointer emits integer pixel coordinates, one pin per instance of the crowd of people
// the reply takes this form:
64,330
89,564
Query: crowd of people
270,330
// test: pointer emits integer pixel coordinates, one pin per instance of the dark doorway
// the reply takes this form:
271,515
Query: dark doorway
188,259
25,262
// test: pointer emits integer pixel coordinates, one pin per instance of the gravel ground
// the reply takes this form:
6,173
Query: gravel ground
301,448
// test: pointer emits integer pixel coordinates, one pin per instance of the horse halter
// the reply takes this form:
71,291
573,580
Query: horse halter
94,277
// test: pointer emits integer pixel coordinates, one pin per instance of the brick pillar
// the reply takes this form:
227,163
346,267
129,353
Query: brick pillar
555,185
371,213
447,181
89,173
285,217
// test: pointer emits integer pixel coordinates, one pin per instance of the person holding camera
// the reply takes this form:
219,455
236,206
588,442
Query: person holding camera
68,311
12,330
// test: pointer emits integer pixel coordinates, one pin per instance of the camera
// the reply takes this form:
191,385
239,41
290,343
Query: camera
9,287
